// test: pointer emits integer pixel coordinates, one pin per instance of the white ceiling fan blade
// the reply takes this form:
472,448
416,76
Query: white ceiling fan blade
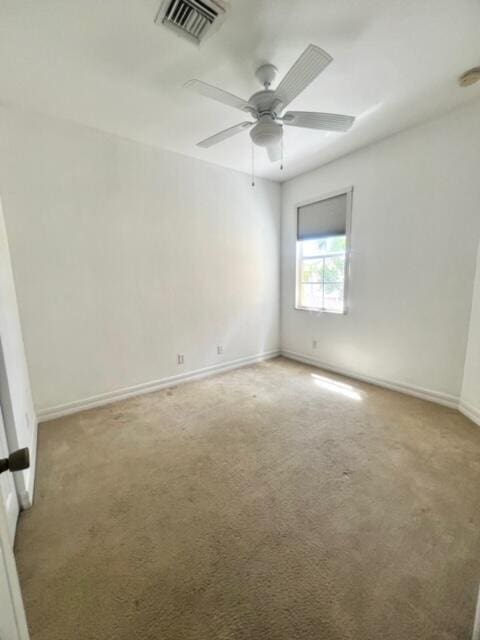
223,135
209,91
274,153
308,66
315,120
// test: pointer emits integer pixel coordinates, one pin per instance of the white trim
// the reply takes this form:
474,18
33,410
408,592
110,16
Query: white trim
473,413
13,612
49,413
11,510
26,497
58,411
439,397
476,624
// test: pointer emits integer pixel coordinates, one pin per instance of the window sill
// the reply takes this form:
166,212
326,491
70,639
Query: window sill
318,310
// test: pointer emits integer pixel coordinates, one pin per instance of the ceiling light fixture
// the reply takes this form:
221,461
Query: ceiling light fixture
469,77
266,107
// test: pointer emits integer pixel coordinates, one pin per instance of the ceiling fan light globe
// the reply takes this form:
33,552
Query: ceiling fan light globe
266,133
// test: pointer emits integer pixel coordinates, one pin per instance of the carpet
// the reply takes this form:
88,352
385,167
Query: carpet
274,501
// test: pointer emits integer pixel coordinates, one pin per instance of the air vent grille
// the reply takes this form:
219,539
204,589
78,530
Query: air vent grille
193,18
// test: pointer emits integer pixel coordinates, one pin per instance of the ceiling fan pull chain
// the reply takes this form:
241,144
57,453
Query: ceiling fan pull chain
281,153
253,165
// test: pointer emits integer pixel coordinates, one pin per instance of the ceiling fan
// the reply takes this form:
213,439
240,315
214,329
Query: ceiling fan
267,106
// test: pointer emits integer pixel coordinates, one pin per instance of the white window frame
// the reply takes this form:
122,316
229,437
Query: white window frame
348,191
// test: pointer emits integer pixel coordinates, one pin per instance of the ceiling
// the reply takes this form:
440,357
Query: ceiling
107,65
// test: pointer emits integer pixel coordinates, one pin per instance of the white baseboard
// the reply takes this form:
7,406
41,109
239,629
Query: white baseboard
58,411
49,413
425,394
470,411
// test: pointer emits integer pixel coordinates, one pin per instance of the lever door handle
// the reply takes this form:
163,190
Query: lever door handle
16,461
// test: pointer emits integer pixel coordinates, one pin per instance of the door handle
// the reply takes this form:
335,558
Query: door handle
16,461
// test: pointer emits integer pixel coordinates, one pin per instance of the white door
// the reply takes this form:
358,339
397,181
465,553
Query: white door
8,493
476,624
13,624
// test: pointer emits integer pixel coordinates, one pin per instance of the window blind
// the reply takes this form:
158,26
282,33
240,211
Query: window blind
322,219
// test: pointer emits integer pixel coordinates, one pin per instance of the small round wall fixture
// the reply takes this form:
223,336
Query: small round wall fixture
469,77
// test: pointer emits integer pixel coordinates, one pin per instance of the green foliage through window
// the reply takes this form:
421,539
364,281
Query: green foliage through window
322,273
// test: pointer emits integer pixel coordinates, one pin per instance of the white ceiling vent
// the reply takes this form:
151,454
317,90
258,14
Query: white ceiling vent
194,19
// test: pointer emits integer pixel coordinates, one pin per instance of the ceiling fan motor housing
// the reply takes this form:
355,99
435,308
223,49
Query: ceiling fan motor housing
266,132
263,101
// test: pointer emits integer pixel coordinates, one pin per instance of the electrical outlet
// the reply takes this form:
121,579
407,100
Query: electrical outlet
220,350
314,344
180,359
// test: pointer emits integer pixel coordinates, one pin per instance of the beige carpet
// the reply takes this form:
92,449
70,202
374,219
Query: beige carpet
266,503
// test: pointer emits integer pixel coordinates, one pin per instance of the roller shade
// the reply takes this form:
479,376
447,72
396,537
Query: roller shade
322,219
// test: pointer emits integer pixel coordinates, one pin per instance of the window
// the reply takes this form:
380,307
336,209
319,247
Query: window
322,254
322,274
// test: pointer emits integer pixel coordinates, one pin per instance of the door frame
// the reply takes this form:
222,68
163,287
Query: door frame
11,503
13,608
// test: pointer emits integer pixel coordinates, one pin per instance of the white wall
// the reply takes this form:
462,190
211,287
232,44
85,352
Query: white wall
415,229
470,399
15,395
126,255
